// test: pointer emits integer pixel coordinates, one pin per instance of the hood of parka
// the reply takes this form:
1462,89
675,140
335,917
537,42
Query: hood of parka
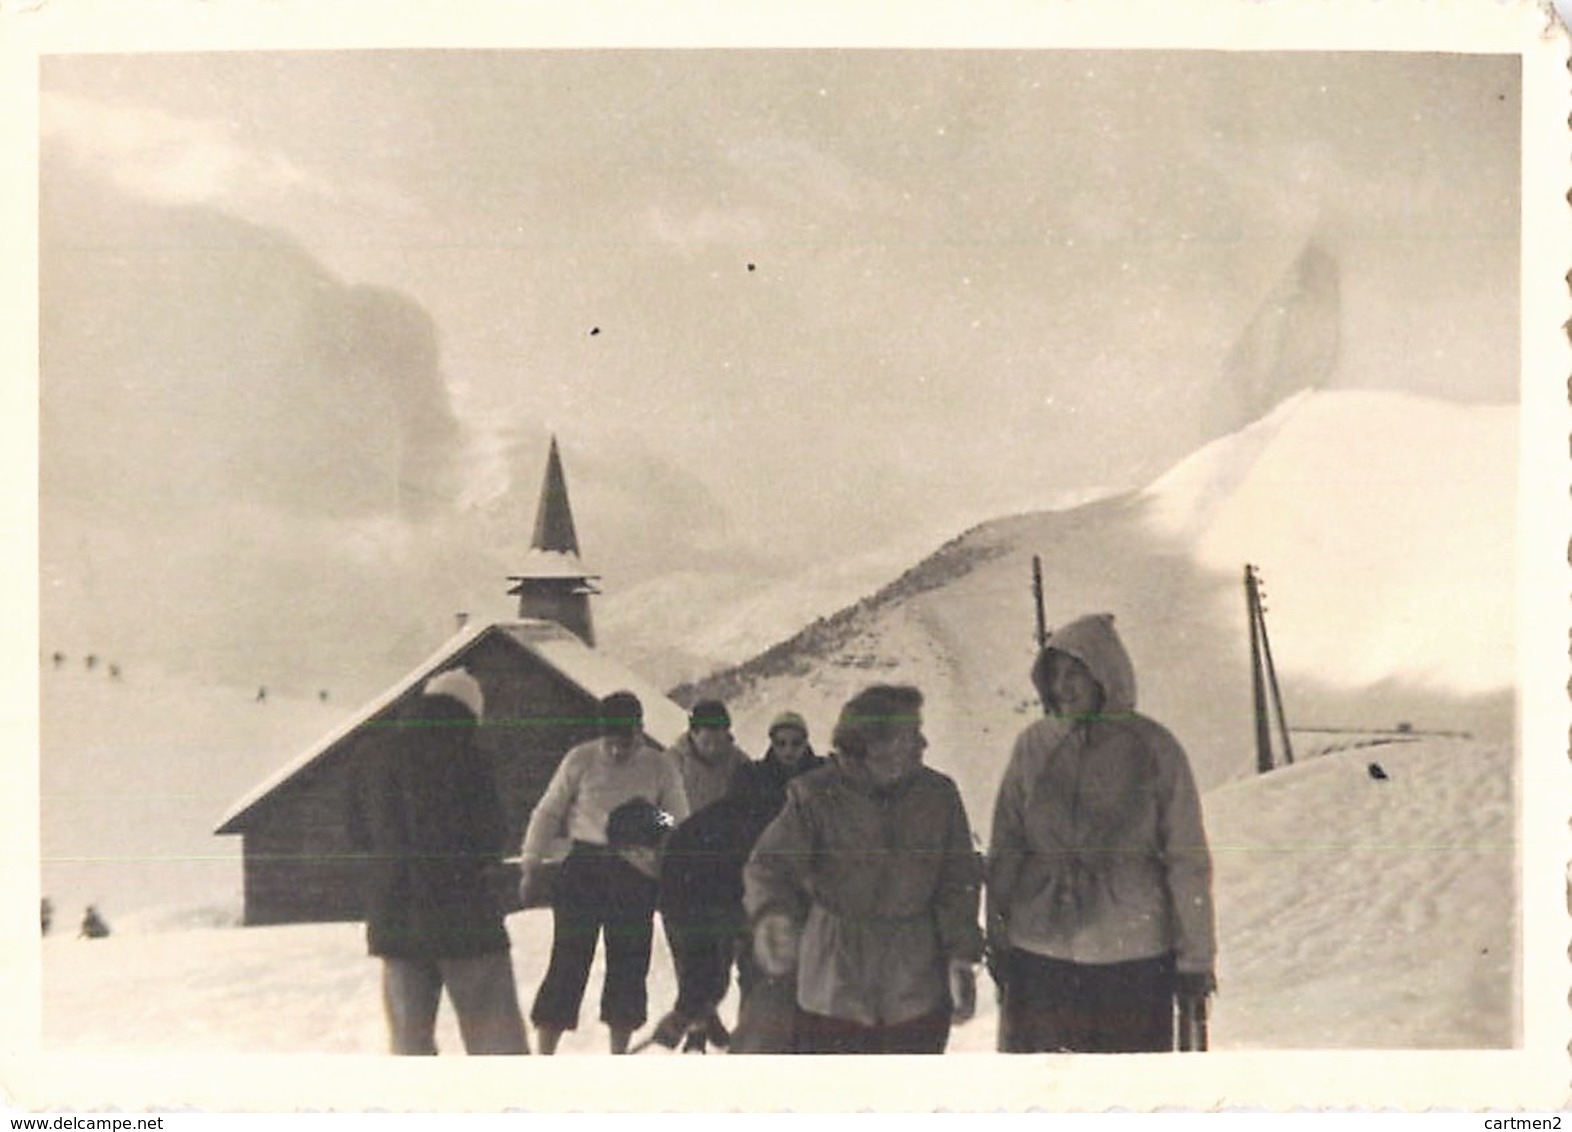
1093,641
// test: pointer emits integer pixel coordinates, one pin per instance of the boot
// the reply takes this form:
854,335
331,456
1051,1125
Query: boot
620,1038
548,1037
715,1030
669,1030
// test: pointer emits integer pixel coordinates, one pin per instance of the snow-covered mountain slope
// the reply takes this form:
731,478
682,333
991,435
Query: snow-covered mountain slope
1384,525
1353,913
134,771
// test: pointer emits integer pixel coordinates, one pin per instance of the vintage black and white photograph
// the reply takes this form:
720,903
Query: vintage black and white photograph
596,548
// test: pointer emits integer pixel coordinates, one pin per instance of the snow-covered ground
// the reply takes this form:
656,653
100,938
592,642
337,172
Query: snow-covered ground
134,772
1354,914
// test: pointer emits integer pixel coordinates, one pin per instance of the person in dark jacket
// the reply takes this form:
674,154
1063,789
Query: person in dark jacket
425,811
701,903
867,885
767,1010
93,925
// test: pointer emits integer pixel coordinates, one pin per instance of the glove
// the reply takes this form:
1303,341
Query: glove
997,930
963,991
529,884
997,965
775,940
1194,984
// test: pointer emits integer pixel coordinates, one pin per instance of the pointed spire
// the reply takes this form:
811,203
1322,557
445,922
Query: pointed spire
554,518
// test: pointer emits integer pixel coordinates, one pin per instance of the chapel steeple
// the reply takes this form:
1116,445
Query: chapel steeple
554,585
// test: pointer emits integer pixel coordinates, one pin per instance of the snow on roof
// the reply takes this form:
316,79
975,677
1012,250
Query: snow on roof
552,564
597,674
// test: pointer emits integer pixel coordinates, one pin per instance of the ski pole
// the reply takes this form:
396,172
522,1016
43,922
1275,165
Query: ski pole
1192,1037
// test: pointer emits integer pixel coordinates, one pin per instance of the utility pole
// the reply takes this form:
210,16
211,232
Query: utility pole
1263,731
1271,680
1263,678
1037,597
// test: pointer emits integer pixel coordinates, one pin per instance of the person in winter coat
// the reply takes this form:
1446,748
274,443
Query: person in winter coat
93,925
598,891
701,903
424,808
1099,877
867,884
707,756
767,1007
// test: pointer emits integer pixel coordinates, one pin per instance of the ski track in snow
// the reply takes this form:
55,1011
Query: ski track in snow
1352,914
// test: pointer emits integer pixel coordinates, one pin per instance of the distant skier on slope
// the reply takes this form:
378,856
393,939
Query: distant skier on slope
1099,895
94,926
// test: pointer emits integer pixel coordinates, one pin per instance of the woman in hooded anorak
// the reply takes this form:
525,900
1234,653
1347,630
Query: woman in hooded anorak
1099,896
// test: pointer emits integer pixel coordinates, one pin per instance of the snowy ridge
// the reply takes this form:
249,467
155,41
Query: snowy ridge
1386,524
1385,528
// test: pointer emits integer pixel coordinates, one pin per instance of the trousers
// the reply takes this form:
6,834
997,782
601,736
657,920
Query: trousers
767,1006
1052,1005
597,896
484,997
819,1033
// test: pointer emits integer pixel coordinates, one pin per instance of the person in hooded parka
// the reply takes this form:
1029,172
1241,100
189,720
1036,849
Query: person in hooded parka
1099,886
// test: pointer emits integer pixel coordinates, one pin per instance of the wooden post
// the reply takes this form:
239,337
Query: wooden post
1277,693
1263,731
1037,597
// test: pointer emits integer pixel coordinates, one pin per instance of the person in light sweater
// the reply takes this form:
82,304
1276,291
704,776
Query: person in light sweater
598,892
707,756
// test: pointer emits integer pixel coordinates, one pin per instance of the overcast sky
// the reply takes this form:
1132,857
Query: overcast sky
774,303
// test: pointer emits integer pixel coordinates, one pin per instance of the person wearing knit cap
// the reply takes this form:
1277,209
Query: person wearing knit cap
425,815
766,1013
600,890
701,906
461,686
707,755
